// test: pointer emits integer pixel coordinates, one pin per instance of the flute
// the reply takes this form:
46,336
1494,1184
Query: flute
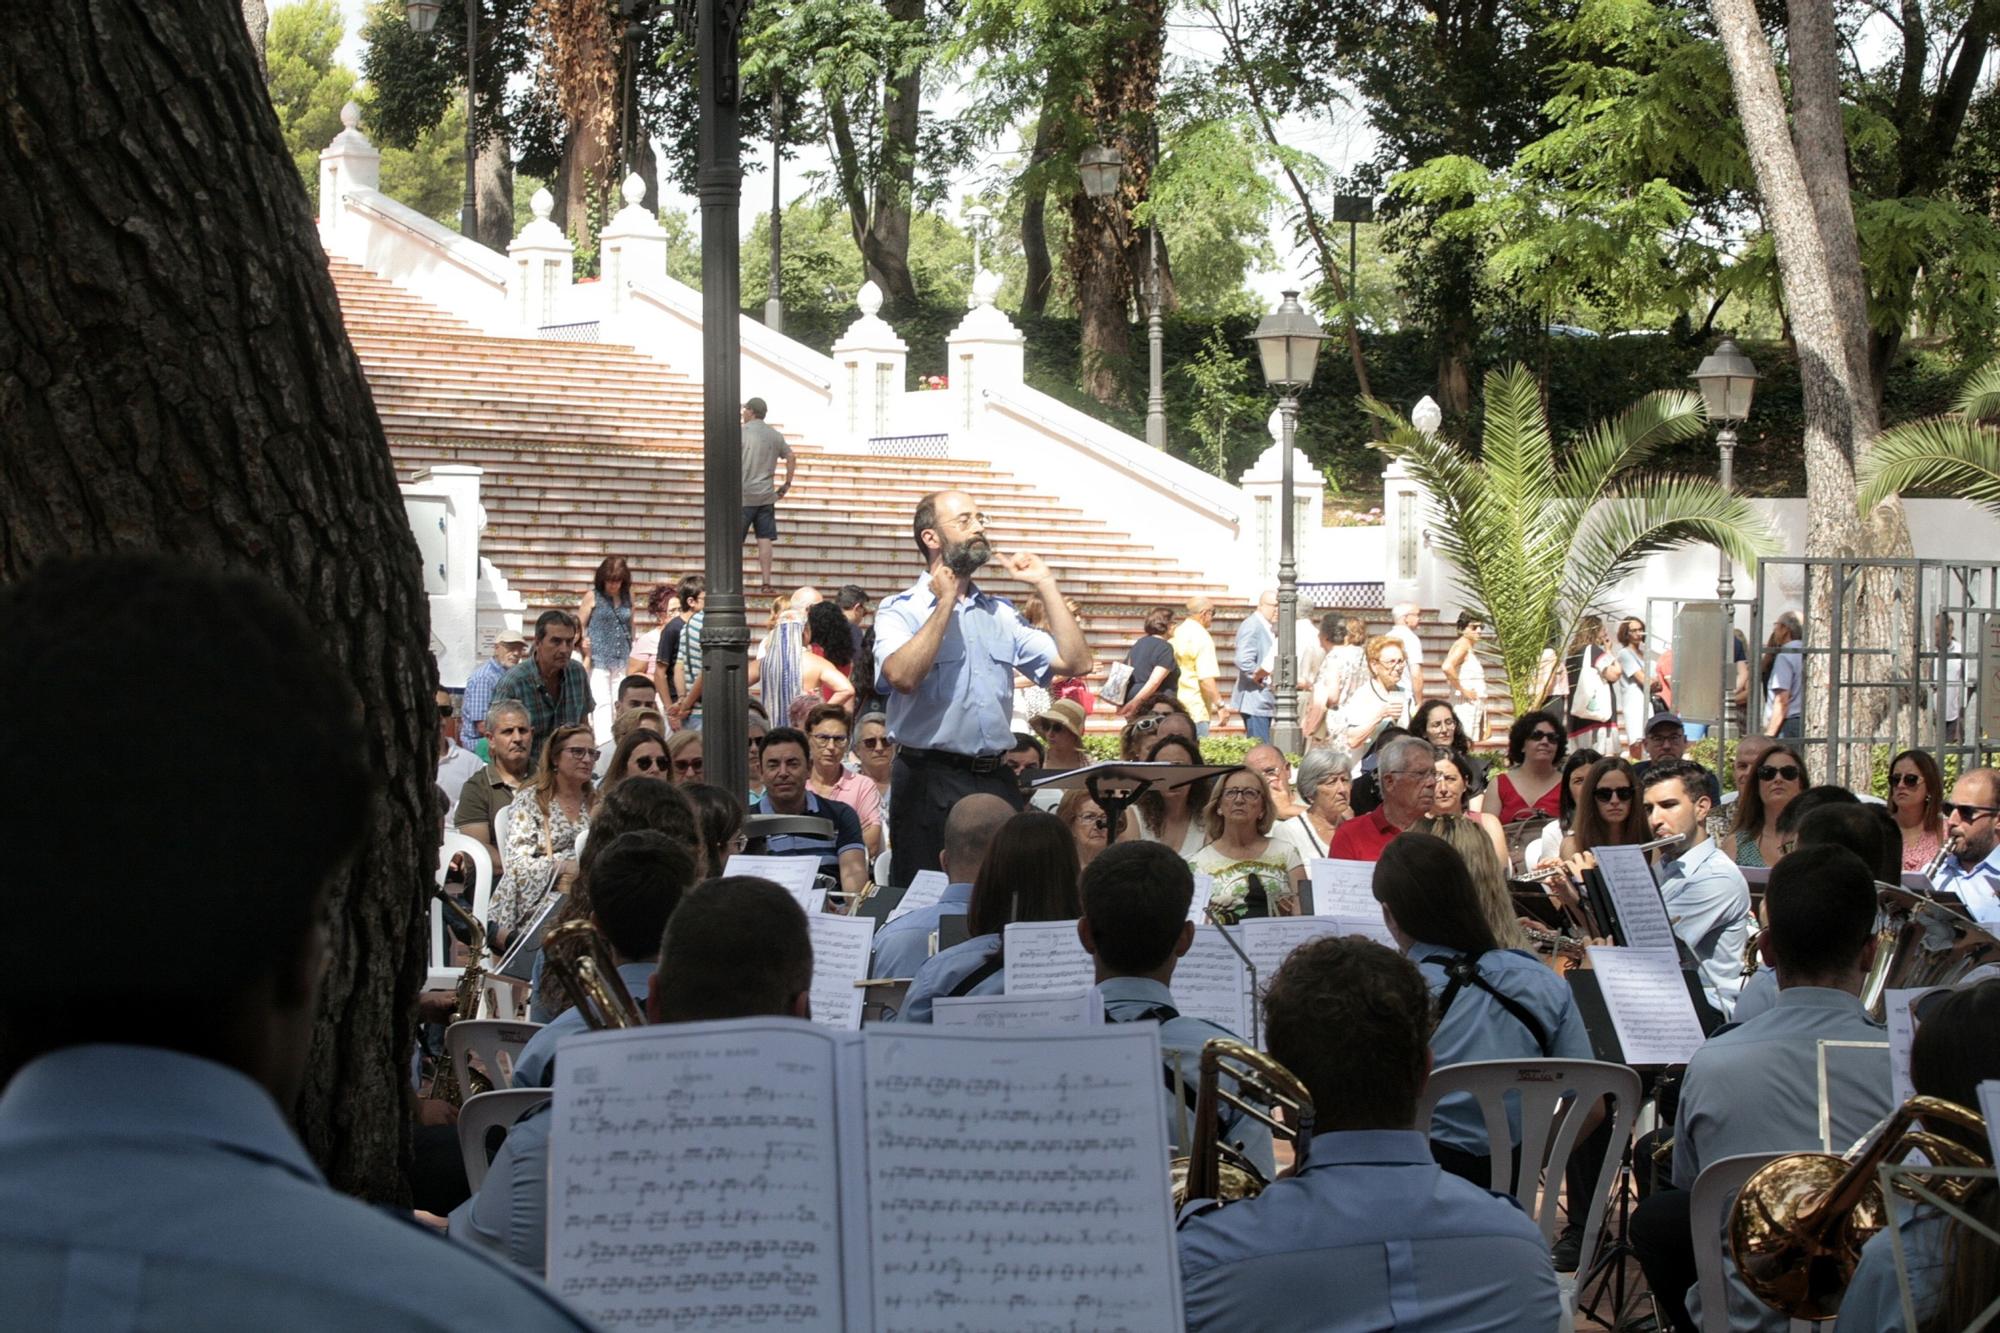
1671,840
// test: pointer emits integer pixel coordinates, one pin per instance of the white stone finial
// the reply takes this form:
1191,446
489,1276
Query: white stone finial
635,189
1276,425
1427,416
869,298
985,287
541,205
350,115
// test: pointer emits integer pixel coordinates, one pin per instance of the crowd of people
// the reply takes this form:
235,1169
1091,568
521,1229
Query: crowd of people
929,732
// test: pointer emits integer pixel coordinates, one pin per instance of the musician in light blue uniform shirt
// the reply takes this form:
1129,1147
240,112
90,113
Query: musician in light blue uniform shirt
1369,1232
1972,821
532,1065
1707,900
904,945
974,967
1136,897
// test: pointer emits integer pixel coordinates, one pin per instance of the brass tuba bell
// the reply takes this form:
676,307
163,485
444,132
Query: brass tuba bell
576,954
1214,1169
1798,1225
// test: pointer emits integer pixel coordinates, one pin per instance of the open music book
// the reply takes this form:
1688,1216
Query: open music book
768,1173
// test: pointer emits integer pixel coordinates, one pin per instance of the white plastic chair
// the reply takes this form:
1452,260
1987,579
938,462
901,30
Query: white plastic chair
501,818
880,873
494,1041
1708,1204
485,1112
1554,1097
443,976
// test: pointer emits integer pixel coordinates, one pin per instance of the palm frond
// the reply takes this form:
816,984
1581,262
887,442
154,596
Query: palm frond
1647,513
1951,454
1618,444
1979,400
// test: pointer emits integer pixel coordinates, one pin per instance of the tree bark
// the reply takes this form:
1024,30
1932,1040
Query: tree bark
1034,213
1098,234
885,248
257,22
175,377
493,182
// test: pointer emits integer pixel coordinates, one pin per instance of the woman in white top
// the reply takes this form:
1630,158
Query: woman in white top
1467,676
1173,816
1593,702
1379,701
1634,686
1340,673
544,824
1240,847
1325,784
1548,845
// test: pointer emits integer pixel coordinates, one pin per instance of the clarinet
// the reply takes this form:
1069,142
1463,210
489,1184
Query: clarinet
1945,853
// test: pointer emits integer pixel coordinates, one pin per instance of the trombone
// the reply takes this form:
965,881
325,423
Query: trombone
1220,1171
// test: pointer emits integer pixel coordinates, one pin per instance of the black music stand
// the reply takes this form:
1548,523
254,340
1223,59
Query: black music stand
1115,786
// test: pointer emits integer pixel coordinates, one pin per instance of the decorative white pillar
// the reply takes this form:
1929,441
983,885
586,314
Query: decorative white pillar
1405,507
1264,485
544,262
869,362
633,245
984,352
350,162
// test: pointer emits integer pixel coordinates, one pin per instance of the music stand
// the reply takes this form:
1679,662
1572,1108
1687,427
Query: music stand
1115,786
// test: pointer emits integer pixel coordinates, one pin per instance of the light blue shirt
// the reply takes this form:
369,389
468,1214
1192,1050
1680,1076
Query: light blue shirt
145,1189
509,1215
1130,1000
903,946
1978,887
941,974
531,1066
1370,1234
1478,1027
1788,668
1254,638
1758,996
1708,903
1874,1299
1755,1089
966,703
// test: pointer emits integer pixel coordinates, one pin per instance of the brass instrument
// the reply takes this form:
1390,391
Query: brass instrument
1920,943
1217,1170
1797,1228
466,999
577,956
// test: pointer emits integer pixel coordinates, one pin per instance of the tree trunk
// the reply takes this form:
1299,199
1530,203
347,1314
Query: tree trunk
885,248
257,22
1098,272
144,188
493,182
1034,212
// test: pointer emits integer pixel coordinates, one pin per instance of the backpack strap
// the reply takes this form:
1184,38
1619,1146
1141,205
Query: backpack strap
1462,970
977,975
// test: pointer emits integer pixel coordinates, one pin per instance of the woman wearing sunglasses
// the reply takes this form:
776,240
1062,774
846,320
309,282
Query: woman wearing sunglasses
1609,809
1916,799
875,759
1778,778
642,754
684,758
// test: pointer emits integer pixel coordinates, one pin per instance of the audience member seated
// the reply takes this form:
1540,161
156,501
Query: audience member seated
828,732
1548,844
1531,786
734,948
685,757
1954,1272
1173,815
842,856
1029,874
153,1043
641,754
1368,1232
455,766
1135,900
1858,828
1253,873
1667,742
1027,753
1777,780
508,738
624,724
1452,796
1087,823
1707,899
1406,768
543,826
1916,799
875,756
1755,1087
903,945
719,817
1325,783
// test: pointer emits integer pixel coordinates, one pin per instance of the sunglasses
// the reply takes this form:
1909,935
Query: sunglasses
646,763
687,765
1906,779
877,743
444,710
756,742
1969,813
1553,738
1146,724
1606,795
1789,772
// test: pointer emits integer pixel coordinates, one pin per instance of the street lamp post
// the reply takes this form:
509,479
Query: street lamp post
423,16
1101,165
725,636
1728,381
1288,342
774,304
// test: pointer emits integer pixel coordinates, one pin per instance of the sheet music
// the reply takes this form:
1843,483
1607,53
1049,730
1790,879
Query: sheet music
1046,956
1902,1025
1635,896
1204,889
1343,888
794,874
925,889
1370,928
694,1177
1019,1013
970,1231
1210,982
1269,940
1648,1003
841,945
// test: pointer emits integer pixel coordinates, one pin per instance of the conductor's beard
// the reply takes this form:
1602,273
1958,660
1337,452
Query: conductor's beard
967,558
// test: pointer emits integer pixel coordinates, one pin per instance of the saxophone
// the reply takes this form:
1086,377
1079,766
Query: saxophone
465,1004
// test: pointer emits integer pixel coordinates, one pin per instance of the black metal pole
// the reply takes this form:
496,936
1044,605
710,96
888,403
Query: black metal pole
774,304
468,212
725,636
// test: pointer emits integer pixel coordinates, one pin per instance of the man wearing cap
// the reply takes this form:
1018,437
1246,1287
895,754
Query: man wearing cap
1667,743
508,645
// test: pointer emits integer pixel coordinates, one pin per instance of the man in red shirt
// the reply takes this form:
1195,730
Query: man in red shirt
1407,771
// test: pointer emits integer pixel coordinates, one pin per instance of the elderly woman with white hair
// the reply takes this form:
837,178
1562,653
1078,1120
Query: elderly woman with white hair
1324,783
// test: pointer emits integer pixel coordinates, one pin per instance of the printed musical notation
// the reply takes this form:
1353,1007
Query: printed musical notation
840,958
1211,983
1046,956
1343,888
796,875
1018,1182
1648,1003
1635,896
694,1181
925,890
1019,1013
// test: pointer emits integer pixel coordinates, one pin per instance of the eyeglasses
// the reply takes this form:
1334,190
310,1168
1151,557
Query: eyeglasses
577,751
1663,734
1906,779
1242,794
876,743
646,763
444,710
1606,795
1553,738
756,742
831,738
1393,663
1098,822
687,765
1969,813
1768,772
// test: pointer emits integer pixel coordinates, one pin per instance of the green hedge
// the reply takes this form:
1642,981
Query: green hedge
1103,747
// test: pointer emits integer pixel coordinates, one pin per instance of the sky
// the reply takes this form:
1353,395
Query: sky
1340,145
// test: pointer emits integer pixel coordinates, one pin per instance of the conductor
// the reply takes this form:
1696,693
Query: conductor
948,652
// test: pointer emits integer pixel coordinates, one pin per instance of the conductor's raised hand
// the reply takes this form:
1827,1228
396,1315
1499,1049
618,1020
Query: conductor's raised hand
947,586
1028,567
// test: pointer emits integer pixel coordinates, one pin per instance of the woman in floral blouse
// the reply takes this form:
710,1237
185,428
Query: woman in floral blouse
543,826
1238,822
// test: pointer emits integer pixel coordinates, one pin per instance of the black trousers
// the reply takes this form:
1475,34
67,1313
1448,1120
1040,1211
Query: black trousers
922,792
1475,1167
1665,1245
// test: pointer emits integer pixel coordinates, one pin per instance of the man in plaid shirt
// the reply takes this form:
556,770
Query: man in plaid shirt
508,645
551,683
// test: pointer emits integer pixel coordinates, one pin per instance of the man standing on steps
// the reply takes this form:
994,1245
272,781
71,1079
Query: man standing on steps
947,652
762,448
1255,640
1194,655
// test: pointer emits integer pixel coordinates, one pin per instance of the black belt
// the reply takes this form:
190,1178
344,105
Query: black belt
971,763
